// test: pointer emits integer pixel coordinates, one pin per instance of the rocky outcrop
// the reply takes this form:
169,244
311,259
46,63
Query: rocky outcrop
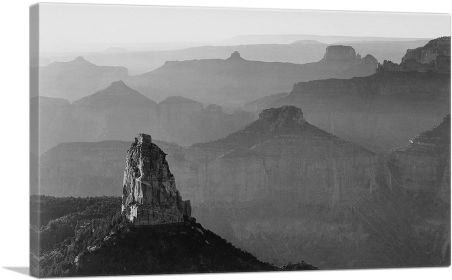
235,56
278,183
337,54
422,166
379,112
409,215
433,57
282,155
340,53
149,190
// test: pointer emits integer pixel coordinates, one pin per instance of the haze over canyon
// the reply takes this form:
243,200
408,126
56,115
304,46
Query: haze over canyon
306,154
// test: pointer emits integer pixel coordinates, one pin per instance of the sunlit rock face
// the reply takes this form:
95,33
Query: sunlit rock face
149,189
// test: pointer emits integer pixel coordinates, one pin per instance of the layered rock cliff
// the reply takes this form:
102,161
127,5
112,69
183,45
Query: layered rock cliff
346,54
339,52
379,112
422,167
434,57
149,189
409,215
281,155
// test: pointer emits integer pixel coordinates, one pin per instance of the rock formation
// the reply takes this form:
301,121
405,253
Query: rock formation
223,81
149,190
340,53
409,215
424,164
282,155
433,57
278,183
379,112
235,56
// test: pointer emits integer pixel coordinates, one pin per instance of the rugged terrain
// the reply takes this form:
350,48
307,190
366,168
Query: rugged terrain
77,78
97,240
269,172
224,81
118,111
409,217
360,178
153,231
296,50
380,111
433,57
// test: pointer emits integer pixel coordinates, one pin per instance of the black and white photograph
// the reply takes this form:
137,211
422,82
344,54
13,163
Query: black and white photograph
182,140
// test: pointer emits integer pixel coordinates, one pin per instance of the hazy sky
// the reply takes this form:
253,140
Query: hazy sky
72,27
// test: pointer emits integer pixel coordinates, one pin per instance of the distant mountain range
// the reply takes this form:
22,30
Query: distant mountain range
233,81
77,78
118,111
297,51
328,39
380,111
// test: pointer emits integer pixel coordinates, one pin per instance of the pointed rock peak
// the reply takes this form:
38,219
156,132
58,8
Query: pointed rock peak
118,86
235,56
370,59
119,83
143,139
339,53
149,193
81,59
283,115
